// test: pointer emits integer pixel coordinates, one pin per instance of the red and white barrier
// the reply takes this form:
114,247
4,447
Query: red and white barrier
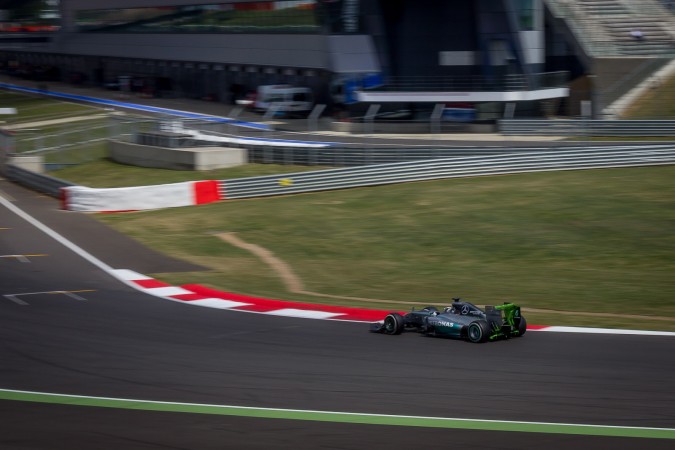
82,198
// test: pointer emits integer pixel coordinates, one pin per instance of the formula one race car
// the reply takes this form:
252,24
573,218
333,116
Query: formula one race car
462,320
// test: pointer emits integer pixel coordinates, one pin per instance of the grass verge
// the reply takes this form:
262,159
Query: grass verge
105,173
657,103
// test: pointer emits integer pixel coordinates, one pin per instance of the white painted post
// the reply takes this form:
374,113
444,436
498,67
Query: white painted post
313,118
369,117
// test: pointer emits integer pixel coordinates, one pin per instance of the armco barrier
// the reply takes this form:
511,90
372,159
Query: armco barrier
36,181
586,127
357,156
551,160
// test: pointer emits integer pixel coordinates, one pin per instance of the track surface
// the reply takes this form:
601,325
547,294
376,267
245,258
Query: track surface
105,339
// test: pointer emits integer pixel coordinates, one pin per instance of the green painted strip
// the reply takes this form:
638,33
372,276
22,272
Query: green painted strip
339,417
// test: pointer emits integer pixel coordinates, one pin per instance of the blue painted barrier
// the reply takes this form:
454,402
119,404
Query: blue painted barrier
152,109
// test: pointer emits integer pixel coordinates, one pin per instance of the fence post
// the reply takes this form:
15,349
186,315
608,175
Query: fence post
509,110
6,148
313,118
594,103
435,120
233,116
587,117
270,113
369,117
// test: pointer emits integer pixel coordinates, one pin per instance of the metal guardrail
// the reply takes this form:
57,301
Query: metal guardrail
36,181
356,156
586,127
553,160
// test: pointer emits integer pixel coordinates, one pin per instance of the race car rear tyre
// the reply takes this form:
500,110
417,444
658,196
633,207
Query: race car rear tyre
393,324
522,326
477,332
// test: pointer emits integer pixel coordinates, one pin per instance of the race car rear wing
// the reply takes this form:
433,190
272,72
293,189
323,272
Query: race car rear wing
506,316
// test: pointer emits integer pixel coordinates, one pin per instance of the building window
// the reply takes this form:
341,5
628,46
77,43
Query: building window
341,16
526,14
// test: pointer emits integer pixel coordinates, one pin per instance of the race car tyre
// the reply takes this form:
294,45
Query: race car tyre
522,326
393,324
477,332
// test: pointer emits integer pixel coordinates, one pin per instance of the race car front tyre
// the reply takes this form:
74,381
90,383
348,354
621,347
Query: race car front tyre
393,324
477,332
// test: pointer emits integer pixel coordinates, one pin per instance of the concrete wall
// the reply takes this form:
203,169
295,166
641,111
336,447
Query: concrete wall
202,158
32,163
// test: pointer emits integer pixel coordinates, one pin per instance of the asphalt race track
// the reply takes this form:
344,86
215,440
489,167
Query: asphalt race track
66,327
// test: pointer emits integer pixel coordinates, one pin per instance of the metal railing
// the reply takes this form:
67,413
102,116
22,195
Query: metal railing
360,156
554,160
38,143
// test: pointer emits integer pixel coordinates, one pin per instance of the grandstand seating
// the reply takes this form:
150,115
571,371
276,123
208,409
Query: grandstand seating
617,20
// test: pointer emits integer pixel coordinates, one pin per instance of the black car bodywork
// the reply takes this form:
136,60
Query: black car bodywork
462,320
